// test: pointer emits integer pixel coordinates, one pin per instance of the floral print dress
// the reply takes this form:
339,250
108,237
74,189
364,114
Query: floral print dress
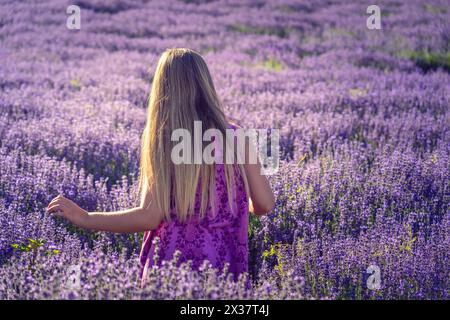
220,239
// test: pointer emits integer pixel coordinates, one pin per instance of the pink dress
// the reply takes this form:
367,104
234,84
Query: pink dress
220,239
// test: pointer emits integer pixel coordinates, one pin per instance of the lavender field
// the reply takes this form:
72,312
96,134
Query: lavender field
365,142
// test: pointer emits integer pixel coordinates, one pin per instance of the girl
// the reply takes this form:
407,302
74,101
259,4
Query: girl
199,209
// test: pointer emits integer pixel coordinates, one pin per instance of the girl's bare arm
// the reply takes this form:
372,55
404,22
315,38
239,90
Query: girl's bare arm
262,199
142,218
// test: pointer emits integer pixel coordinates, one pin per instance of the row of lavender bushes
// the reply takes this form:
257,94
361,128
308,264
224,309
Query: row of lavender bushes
365,141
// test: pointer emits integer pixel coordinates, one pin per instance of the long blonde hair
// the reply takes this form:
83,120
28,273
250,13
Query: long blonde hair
182,92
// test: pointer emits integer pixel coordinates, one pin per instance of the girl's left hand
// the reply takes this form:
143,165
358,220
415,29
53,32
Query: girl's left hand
63,207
